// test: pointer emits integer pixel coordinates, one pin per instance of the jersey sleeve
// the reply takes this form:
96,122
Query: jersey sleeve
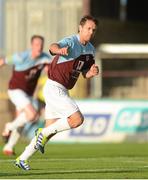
14,59
66,42
90,63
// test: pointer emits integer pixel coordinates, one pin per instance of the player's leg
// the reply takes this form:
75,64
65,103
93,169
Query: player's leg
24,105
52,128
8,149
6,133
62,124
22,160
11,138
15,128
27,112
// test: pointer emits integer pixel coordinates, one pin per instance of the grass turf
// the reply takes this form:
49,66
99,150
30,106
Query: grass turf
86,161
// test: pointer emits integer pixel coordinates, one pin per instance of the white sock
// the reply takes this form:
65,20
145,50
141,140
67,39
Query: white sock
13,139
19,121
29,150
60,125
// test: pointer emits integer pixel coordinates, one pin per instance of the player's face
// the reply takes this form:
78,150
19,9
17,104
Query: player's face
87,31
37,46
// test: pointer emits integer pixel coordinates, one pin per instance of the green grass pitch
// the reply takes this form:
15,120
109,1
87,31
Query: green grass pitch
81,161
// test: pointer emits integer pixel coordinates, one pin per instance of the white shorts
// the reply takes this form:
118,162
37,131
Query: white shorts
20,99
58,102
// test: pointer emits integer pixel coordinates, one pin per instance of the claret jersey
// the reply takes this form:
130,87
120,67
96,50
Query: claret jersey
66,69
26,70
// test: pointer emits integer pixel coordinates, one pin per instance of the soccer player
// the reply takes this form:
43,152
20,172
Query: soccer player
73,55
27,67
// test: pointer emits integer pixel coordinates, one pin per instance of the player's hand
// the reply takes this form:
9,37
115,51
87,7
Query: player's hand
94,70
55,49
63,51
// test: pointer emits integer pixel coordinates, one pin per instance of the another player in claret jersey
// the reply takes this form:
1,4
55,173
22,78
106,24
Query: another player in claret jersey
73,55
27,67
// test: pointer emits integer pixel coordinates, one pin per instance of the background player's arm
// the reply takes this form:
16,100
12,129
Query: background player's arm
93,71
55,49
9,60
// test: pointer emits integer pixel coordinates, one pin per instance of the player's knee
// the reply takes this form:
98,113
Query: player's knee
74,123
31,112
32,116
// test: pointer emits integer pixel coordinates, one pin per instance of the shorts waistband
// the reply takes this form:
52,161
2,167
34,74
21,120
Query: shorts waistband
56,84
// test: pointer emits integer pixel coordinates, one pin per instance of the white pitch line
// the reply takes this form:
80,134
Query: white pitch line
55,159
113,169
107,159
90,170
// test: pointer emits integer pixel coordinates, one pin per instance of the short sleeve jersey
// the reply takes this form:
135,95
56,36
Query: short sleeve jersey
66,69
26,70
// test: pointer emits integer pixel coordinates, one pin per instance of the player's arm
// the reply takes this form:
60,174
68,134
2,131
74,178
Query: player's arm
55,49
11,59
93,71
